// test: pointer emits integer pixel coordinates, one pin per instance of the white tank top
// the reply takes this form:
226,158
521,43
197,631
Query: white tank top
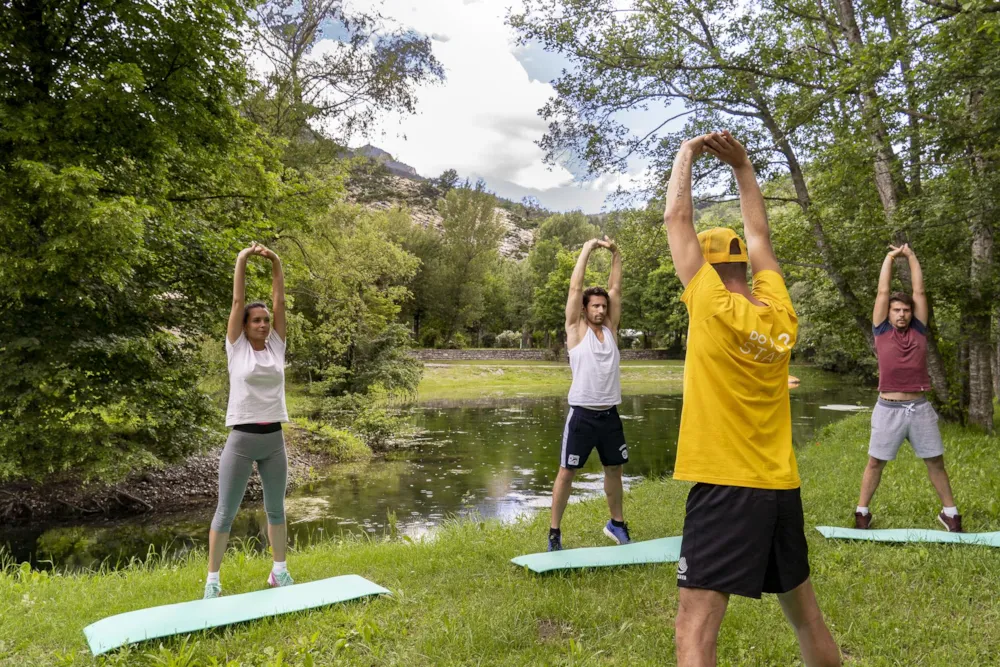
596,376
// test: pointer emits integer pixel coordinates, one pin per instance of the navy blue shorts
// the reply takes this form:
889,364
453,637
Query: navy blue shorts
588,429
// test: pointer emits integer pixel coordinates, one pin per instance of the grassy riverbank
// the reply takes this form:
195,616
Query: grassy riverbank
511,379
508,379
457,599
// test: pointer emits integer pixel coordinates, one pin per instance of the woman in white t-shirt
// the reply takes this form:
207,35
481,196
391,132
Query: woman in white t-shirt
255,346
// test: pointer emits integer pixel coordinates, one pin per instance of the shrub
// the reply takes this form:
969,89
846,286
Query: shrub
508,339
315,436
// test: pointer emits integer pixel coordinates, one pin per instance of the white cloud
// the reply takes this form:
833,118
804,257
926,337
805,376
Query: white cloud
483,119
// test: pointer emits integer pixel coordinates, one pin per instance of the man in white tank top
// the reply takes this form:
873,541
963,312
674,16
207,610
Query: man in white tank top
592,317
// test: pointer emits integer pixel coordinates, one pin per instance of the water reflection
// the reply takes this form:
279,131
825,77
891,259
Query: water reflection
493,459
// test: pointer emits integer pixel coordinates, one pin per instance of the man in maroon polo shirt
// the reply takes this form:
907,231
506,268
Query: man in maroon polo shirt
899,323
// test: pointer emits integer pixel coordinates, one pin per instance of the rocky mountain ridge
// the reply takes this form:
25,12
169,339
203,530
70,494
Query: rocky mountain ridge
400,186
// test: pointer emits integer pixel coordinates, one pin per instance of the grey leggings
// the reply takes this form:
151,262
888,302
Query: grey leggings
235,466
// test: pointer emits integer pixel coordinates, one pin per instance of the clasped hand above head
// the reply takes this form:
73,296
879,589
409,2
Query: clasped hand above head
603,243
904,250
259,249
722,145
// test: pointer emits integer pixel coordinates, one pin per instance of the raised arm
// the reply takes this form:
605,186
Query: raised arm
678,217
614,284
235,326
881,310
574,301
278,322
920,309
755,228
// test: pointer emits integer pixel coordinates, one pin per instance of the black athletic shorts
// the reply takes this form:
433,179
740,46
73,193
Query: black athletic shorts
586,429
743,541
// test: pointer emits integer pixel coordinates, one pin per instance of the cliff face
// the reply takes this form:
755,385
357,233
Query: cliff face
381,156
392,190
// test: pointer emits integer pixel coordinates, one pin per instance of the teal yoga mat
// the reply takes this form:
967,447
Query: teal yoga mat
910,535
663,550
135,626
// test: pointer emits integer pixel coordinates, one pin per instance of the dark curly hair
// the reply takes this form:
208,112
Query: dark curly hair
594,291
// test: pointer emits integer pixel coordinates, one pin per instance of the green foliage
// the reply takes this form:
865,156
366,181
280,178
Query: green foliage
508,339
876,123
650,288
549,303
341,444
569,229
129,179
364,67
137,159
346,293
368,415
471,236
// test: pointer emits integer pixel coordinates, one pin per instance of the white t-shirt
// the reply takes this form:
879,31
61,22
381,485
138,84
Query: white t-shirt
256,381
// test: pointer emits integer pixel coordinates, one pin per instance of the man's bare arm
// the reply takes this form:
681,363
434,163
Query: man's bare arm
678,216
755,228
574,301
921,310
614,284
881,309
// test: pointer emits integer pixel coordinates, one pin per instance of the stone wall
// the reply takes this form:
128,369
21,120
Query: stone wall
500,354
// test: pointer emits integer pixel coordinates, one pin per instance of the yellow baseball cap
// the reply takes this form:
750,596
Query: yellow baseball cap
716,244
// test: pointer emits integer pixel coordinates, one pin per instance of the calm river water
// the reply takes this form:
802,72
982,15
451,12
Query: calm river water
494,459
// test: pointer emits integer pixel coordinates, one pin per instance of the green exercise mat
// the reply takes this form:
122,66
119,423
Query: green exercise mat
910,535
663,550
135,626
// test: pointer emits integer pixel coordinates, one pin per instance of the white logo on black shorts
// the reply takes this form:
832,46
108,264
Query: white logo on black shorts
624,450
682,567
573,459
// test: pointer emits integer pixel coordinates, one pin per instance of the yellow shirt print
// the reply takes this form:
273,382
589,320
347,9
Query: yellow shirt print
736,424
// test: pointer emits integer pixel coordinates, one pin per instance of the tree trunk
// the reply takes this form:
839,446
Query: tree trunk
996,361
980,303
525,336
963,368
891,189
851,302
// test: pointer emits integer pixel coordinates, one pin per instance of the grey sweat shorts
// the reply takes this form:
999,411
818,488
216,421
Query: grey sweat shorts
893,422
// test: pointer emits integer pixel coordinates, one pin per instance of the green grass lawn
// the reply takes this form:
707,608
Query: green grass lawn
507,379
482,379
457,599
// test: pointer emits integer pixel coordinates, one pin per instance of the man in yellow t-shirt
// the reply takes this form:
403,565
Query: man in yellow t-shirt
743,530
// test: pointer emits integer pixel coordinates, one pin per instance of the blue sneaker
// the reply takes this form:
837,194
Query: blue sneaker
618,534
212,591
555,542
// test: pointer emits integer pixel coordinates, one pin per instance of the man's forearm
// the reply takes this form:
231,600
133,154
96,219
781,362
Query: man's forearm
615,280
679,207
916,275
751,203
885,277
580,270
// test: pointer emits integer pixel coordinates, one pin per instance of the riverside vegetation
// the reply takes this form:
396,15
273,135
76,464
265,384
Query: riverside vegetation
458,600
